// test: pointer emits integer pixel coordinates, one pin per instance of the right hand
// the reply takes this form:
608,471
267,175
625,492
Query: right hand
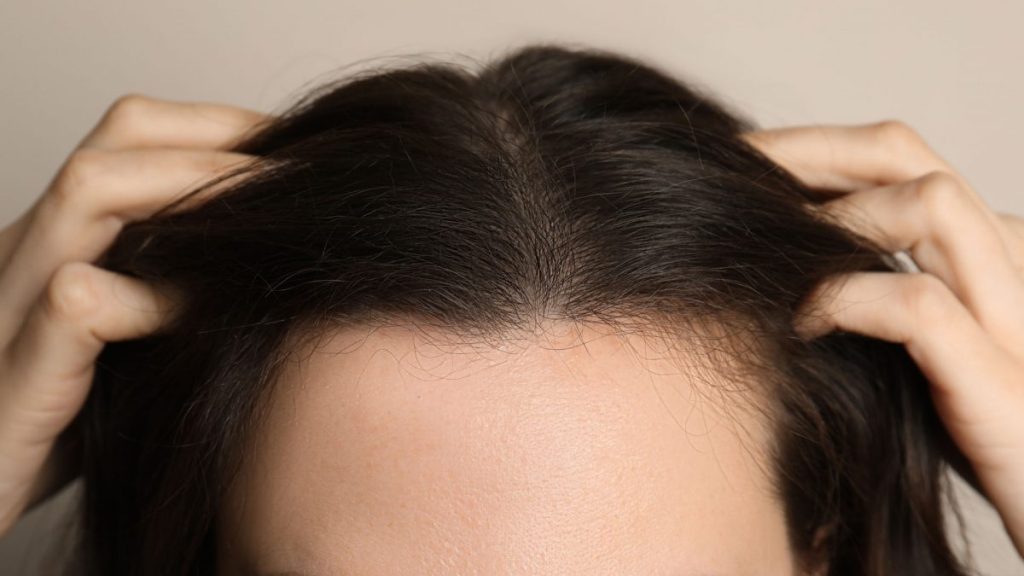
57,310
961,317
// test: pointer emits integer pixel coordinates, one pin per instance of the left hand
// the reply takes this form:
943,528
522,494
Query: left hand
961,317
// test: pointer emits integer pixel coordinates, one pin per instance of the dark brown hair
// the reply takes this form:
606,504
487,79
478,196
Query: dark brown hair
553,182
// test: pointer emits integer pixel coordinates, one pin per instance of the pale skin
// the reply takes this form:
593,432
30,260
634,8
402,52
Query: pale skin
390,452
967,302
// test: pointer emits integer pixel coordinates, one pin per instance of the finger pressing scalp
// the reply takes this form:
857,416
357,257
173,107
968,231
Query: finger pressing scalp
914,308
84,307
48,365
129,308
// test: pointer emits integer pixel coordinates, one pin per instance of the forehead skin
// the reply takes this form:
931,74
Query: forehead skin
386,453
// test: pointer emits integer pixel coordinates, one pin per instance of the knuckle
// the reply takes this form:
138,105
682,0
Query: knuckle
942,198
899,135
79,174
928,298
71,293
127,110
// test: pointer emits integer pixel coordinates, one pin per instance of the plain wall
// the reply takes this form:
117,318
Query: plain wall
950,69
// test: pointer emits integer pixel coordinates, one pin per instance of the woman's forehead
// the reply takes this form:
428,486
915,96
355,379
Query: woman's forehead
383,441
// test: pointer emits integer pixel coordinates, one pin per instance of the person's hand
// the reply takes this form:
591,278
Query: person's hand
56,308
961,316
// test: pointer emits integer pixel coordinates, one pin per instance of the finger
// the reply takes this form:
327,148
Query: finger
974,382
87,205
130,184
87,179
47,368
1014,226
847,158
921,312
1014,223
947,235
137,121
11,235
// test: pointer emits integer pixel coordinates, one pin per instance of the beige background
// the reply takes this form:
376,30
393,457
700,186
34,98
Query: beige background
950,69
